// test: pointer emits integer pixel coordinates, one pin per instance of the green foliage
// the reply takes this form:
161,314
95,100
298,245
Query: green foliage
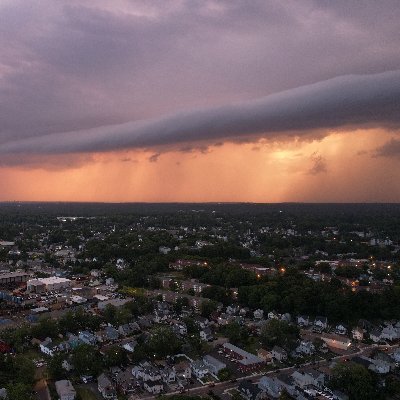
46,327
224,374
236,333
217,293
293,292
356,381
113,356
279,333
57,372
208,307
162,342
223,275
17,375
86,360
19,391
74,321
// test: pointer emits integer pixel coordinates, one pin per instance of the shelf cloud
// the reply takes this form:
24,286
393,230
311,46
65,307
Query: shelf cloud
352,100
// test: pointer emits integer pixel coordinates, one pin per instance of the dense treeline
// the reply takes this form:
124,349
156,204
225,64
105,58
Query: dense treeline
297,294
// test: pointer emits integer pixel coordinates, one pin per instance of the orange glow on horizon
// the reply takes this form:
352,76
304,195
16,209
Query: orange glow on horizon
338,168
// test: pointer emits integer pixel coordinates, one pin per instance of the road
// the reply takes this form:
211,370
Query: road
42,390
221,387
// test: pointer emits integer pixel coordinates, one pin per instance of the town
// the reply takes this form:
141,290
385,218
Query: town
223,301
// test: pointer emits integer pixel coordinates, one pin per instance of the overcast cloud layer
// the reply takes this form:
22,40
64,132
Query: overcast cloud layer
94,76
360,101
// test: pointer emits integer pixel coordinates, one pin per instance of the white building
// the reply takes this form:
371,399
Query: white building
65,390
48,284
199,368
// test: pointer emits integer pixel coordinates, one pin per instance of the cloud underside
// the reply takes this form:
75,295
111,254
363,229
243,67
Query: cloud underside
346,101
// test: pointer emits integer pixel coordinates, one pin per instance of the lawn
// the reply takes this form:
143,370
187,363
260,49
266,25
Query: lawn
86,394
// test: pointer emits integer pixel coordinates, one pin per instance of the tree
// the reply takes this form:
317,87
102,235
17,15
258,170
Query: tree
207,307
355,380
19,391
285,396
224,374
280,333
162,342
236,333
114,356
57,372
86,360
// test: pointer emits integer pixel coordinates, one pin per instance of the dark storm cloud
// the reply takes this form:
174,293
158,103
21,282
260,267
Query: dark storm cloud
319,164
390,149
67,67
368,100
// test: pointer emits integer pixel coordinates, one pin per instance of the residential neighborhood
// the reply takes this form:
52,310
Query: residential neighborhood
93,307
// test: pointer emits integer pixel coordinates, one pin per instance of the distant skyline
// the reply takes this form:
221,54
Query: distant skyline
200,101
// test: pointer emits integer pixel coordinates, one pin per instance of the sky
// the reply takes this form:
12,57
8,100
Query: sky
200,100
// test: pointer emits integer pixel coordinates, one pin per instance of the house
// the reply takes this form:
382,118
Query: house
183,370
273,315
65,390
286,382
250,391
213,365
130,346
309,377
47,347
206,334
375,335
340,329
396,355
389,332
199,369
87,337
286,317
168,375
164,250
364,361
106,387
380,366
265,355
111,334
270,386
279,354
67,365
336,341
73,341
180,328
246,361
125,382
146,372
303,320
125,330
358,333
153,387
202,322
320,323
258,314
383,356
3,393
305,347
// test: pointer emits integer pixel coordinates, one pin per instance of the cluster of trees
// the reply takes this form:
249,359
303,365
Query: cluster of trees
224,275
279,333
17,375
295,293
74,321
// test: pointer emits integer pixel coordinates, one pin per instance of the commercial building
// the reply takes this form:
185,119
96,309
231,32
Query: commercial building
246,361
13,278
41,285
